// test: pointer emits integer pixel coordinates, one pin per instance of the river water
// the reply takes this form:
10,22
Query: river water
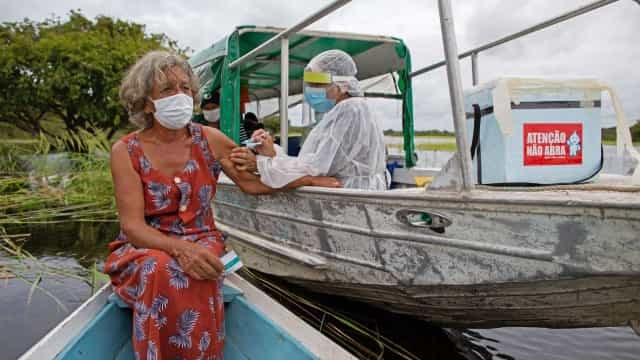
74,246
70,245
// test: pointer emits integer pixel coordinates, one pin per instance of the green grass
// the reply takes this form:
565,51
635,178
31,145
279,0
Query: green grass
82,192
425,136
429,146
20,141
613,142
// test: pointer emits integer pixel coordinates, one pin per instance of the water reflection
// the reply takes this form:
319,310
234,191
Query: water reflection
73,244
23,324
84,242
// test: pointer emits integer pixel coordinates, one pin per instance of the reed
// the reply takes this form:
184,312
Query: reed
349,333
57,179
16,262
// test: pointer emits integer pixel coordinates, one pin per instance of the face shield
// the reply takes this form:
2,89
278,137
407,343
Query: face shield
316,101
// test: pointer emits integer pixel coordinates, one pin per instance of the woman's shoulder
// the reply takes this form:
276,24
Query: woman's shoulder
210,133
132,136
126,142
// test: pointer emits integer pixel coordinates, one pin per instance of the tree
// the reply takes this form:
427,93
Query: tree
70,70
272,124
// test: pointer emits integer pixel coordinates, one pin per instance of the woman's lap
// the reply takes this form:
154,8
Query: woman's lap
174,315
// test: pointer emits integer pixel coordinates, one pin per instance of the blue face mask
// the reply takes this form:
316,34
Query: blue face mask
317,99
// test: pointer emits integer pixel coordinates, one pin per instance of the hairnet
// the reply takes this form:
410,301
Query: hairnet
342,68
347,144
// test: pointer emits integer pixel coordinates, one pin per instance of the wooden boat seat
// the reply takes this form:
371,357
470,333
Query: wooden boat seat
250,334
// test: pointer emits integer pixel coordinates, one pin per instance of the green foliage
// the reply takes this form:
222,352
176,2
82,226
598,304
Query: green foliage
58,187
69,69
272,125
609,134
435,146
391,132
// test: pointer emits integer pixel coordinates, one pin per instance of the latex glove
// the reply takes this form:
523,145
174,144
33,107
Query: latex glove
266,148
244,159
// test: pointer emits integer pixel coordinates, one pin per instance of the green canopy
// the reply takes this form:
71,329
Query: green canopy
374,56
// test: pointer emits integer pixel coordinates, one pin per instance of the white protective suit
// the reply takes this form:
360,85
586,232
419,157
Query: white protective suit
347,144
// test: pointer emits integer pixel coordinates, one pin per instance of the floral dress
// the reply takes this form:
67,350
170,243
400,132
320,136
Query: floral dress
174,315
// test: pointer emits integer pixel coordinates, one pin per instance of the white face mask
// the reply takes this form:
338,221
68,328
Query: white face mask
211,115
174,112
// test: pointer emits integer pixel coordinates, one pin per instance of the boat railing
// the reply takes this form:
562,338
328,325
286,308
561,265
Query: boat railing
452,58
473,53
283,37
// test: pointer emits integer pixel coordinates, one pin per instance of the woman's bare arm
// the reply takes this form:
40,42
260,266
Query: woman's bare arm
197,261
249,182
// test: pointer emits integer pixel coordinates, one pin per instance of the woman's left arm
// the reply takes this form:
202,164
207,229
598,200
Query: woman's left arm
246,181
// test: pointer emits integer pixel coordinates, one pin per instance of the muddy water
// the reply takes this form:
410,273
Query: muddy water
71,245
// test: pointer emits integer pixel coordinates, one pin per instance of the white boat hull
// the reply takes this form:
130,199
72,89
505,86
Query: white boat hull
554,259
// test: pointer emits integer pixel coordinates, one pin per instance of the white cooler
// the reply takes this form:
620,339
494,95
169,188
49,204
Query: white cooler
534,131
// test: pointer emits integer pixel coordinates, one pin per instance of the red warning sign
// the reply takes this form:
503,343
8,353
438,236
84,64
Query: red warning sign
552,144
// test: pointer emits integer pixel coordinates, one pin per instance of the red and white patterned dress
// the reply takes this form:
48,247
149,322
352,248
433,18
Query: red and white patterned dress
175,316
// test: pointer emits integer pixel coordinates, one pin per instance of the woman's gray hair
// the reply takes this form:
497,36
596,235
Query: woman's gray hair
137,85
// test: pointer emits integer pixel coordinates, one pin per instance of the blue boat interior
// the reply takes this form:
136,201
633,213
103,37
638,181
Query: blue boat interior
249,334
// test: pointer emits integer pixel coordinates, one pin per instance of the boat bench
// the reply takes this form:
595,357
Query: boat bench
249,334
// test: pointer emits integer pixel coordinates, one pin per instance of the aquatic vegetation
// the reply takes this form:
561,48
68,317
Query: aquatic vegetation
24,266
345,331
57,179
53,180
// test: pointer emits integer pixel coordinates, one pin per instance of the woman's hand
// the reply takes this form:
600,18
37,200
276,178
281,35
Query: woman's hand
197,261
266,148
244,159
325,181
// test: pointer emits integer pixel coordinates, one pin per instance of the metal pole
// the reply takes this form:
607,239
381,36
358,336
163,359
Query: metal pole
474,69
637,1
284,94
455,90
293,29
543,25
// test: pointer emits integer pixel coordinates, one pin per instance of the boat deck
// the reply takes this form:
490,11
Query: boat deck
256,327
248,336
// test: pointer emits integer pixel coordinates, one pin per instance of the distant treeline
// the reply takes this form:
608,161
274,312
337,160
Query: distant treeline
390,132
609,134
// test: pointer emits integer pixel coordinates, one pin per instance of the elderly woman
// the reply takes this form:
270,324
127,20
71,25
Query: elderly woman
165,262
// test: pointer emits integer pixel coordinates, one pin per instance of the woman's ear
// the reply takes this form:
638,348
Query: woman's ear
334,92
149,108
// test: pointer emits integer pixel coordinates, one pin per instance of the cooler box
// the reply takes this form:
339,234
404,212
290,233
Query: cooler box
532,131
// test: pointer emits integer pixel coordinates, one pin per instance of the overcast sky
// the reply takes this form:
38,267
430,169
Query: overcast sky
603,44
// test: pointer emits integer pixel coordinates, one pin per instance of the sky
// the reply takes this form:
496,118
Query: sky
603,44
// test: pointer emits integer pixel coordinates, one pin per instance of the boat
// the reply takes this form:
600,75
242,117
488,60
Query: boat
464,255
257,327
